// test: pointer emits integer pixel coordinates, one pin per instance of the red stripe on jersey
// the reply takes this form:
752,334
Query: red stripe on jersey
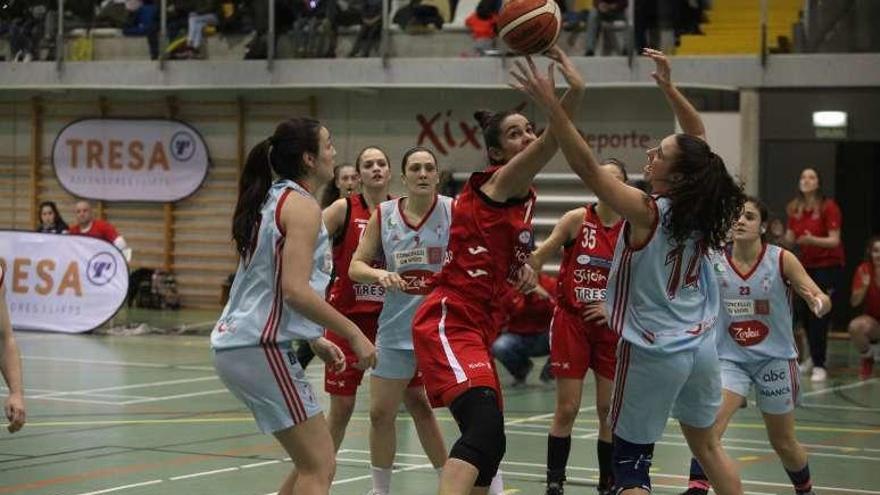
619,382
622,296
278,372
288,382
270,331
278,207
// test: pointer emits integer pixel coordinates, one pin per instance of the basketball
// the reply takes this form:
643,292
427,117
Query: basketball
529,26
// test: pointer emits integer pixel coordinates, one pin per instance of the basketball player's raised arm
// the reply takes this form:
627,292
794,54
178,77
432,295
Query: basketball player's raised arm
10,366
370,248
301,221
564,231
334,217
794,272
687,116
631,203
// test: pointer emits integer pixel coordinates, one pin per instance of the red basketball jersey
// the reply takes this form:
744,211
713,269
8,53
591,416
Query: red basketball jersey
347,296
488,242
586,262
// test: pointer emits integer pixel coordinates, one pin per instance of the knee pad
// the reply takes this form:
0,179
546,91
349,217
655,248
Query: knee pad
632,464
482,443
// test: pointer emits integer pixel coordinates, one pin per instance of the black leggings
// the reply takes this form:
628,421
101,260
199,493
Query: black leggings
827,279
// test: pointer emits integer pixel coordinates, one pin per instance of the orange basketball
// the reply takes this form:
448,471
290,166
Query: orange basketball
529,26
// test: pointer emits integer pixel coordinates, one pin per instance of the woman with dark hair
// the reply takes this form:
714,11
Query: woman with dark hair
814,228
277,296
662,297
865,328
50,219
489,244
580,337
346,220
345,183
755,342
410,233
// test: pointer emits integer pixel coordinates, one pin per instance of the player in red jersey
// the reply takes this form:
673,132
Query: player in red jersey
579,335
864,329
489,244
346,220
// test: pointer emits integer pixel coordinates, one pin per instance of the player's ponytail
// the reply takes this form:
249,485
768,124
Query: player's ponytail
490,124
281,154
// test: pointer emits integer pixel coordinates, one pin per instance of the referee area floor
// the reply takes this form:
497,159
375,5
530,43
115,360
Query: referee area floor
147,414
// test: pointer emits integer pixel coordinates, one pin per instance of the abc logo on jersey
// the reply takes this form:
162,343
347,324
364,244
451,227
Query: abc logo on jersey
773,375
748,333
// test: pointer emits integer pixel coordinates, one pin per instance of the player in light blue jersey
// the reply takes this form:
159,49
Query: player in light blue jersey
662,296
755,339
411,234
277,296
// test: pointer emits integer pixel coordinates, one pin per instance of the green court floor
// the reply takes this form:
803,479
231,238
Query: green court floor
147,415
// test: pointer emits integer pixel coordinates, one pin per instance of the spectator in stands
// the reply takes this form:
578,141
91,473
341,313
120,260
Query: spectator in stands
314,32
482,25
202,13
814,227
864,330
144,21
367,41
88,225
526,319
114,13
603,11
50,219
10,366
775,232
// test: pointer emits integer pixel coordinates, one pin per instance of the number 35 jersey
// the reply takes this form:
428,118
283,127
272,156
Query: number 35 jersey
755,319
662,295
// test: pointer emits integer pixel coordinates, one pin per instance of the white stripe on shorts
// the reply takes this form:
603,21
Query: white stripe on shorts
447,349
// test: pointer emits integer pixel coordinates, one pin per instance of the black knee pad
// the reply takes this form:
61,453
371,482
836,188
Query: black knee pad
482,443
632,464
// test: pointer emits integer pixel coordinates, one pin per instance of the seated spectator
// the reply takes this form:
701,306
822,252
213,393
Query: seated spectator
202,14
603,11
864,330
526,330
368,37
114,13
144,21
314,31
50,219
88,225
482,25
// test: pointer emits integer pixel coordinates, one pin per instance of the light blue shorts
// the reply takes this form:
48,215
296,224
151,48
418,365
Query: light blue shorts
776,381
649,387
395,364
270,382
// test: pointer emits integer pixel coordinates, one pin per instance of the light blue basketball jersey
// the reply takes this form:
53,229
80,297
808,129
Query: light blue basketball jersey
415,252
755,319
662,296
256,312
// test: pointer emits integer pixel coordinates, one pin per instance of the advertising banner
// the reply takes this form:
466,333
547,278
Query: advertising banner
61,283
130,159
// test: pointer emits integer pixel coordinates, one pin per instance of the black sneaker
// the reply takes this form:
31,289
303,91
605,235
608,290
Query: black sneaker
555,489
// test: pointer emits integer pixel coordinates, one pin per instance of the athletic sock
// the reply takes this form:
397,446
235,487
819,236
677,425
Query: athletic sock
606,472
801,480
497,485
698,482
558,449
381,480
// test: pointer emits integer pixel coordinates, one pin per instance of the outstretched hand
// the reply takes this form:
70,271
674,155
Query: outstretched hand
574,78
663,71
540,88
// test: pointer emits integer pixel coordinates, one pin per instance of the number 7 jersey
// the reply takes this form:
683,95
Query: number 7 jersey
662,296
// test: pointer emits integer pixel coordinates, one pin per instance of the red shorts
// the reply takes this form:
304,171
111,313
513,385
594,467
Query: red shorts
347,382
576,346
452,350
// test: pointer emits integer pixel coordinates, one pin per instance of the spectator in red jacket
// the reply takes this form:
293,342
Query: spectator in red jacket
864,330
88,225
482,25
526,327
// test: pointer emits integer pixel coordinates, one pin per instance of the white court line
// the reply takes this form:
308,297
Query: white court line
837,408
539,417
128,387
134,364
203,473
258,464
404,468
840,387
123,487
82,401
178,396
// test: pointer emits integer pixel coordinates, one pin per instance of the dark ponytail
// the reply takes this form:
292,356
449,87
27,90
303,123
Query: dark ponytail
490,123
705,200
282,153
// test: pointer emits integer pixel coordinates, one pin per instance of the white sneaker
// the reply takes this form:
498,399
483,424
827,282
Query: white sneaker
875,349
819,375
806,366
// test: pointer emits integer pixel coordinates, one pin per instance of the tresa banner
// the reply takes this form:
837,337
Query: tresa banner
61,283
130,159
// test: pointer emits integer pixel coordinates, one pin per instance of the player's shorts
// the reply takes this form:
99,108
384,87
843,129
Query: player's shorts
776,381
348,381
576,346
270,382
651,386
397,364
452,351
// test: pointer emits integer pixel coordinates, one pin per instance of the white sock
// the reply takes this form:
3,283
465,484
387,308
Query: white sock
381,480
497,486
